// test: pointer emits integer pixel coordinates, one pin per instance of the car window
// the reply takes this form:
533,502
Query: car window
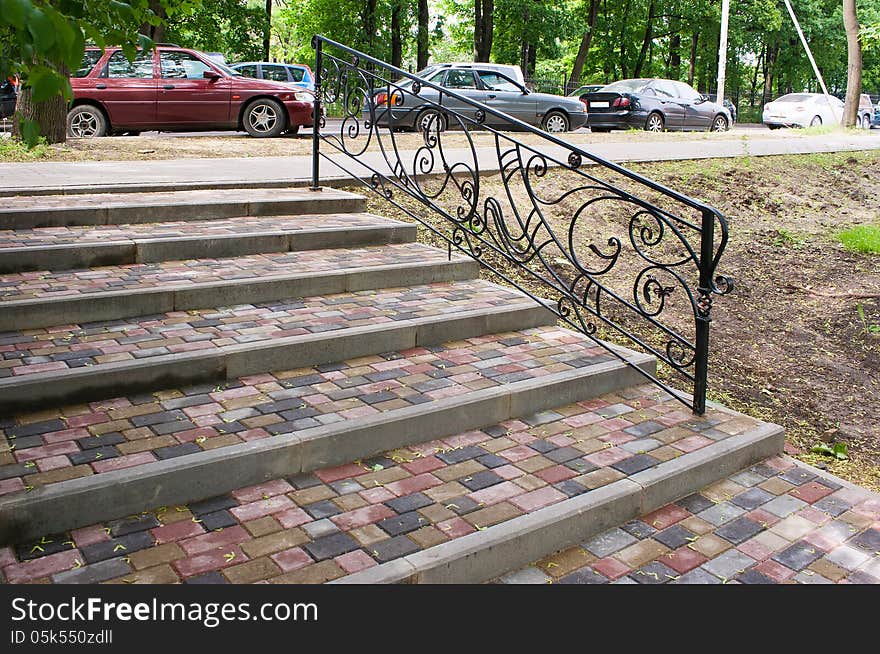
119,66
275,73
182,65
248,70
496,81
626,86
90,58
664,89
297,74
686,92
793,97
460,79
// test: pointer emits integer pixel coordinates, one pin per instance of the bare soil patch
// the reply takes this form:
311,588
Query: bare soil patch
788,345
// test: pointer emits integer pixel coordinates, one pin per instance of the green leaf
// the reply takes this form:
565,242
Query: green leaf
41,29
822,448
840,451
30,131
13,12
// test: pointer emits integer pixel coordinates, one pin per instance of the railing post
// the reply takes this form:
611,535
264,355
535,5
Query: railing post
704,306
316,118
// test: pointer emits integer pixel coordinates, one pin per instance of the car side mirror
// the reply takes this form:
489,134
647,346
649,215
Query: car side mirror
211,75
525,91
703,98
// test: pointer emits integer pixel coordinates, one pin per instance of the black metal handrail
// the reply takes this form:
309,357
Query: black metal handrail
516,230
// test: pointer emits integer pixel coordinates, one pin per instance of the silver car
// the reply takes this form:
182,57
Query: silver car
552,113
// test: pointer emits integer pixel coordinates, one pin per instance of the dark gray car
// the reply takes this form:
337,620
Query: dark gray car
553,113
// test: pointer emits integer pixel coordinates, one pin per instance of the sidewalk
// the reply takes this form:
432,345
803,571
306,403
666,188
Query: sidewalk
61,177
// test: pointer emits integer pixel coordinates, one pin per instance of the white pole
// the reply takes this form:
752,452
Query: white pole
812,61
722,50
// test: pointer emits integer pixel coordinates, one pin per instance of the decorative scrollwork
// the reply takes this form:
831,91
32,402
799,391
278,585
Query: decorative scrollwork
622,256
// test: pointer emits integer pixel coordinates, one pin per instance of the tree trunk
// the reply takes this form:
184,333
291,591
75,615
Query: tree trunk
692,66
483,10
396,42
422,39
586,41
755,79
50,115
649,33
769,65
370,24
623,24
267,32
155,32
853,64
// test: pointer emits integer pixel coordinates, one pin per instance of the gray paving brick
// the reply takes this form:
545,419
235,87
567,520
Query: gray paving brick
94,573
721,513
729,564
525,576
609,542
784,505
847,557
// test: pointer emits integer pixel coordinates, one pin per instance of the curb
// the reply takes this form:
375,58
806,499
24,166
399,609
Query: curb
87,500
19,394
151,250
19,315
485,555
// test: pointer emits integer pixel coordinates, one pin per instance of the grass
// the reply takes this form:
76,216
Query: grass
861,238
12,149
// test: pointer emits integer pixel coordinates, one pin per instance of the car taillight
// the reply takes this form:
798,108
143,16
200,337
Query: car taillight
382,98
621,103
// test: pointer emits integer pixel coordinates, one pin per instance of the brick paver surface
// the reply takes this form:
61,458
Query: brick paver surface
246,225
166,274
319,526
777,522
74,441
75,346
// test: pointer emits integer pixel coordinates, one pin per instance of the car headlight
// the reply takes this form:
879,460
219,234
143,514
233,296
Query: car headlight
579,107
304,97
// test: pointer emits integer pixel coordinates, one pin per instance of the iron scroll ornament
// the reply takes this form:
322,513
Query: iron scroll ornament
663,255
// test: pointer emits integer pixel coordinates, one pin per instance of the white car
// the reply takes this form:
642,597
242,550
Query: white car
802,110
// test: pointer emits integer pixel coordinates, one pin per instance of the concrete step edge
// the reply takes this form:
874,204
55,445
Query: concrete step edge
71,256
112,305
87,500
488,554
54,388
159,211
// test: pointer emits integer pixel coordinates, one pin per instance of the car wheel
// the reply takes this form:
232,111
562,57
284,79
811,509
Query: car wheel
774,126
293,130
430,120
654,123
86,121
866,122
719,124
555,122
265,118
816,122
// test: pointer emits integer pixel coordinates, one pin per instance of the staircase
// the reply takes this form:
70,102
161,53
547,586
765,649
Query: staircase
274,385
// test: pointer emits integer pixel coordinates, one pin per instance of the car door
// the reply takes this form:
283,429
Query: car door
128,90
698,114
463,81
506,95
670,104
186,97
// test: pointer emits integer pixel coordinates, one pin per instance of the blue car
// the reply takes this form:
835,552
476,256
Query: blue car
8,95
875,122
294,74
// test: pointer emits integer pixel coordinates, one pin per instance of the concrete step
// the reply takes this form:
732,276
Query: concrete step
75,465
66,248
44,298
28,212
86,362
460,508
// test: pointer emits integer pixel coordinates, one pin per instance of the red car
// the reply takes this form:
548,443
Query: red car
178,89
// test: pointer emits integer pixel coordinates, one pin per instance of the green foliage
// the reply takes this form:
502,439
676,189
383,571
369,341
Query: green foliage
11,149
862,238
838,450
786,238
40,40
870,327
233,27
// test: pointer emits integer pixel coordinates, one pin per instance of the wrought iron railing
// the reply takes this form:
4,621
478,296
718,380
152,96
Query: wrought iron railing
624,257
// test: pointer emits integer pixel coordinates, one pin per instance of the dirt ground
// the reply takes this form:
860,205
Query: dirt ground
788,344
151,146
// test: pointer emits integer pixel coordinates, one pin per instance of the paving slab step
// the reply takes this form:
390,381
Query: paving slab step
66,248
32,300
780,521
71,466
28,212
77,363
410,514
